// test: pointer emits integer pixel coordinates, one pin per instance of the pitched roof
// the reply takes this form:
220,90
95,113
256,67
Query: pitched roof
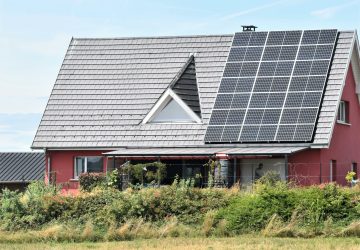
106,87
21,166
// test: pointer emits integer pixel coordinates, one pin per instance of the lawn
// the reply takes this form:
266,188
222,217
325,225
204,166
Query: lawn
242,242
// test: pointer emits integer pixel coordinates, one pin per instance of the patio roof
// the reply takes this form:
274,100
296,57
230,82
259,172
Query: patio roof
205,151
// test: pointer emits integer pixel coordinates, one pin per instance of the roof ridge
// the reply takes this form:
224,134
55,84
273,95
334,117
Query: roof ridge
151,37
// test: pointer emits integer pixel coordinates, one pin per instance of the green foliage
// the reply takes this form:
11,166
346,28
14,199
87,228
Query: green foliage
213,180
30,209
270,178
350,176
313,206
172,210
146,173
88,181
251,212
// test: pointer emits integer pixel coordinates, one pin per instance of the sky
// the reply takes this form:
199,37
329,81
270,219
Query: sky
34,36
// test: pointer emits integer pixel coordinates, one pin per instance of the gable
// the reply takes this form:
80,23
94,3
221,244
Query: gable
180,102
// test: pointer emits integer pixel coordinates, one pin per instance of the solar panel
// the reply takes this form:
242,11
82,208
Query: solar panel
272,86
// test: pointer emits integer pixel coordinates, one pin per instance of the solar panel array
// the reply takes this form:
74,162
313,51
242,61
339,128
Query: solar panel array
272,86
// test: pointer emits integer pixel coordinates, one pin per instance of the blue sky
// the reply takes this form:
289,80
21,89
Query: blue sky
34,36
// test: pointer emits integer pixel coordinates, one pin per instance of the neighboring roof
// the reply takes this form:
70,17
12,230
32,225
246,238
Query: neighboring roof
106,87
259,150
22,167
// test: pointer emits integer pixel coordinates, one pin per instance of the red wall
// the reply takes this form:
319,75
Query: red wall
62,162
345,142
344,146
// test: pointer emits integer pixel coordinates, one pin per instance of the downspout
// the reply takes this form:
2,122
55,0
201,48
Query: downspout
48,165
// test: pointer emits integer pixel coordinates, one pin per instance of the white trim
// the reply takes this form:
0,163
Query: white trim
163,101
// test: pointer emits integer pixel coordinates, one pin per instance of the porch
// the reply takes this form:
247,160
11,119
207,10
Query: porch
243,165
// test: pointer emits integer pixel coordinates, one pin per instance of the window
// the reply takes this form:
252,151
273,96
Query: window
89,164
333,170
343,112
172,112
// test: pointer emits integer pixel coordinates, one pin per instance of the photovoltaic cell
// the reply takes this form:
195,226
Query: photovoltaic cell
272,86
244,84
228,85
230,133
266,133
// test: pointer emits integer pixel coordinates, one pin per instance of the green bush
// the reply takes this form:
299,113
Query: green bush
251,212
88,181
211,211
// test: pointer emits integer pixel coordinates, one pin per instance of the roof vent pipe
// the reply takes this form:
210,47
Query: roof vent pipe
248,27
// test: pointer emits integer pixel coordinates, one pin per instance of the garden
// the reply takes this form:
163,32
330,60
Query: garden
103,213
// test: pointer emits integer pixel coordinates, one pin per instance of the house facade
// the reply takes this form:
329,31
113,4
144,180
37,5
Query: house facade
286,101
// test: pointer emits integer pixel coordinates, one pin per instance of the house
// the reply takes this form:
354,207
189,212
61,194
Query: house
286,101
18,169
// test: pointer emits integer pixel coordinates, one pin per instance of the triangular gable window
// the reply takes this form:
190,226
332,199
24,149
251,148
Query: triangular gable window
172,112
171,109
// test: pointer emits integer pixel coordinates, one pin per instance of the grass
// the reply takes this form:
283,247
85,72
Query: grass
241,242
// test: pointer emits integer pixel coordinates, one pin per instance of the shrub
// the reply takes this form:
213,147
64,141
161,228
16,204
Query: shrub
88,181
146,173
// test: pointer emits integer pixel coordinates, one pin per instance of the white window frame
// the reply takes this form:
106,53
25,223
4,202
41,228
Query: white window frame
342,112
85,164
163,101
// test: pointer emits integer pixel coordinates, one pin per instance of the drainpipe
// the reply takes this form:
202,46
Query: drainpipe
48,166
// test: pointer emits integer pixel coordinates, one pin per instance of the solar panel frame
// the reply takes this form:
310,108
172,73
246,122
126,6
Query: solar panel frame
267,81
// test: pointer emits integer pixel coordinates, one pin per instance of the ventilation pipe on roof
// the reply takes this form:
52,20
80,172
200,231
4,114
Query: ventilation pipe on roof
248,27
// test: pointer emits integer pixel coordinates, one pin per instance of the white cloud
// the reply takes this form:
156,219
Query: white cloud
331,11
252,10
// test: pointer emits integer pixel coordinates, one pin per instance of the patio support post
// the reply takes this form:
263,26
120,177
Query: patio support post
286,168
113,162
234,170
158,159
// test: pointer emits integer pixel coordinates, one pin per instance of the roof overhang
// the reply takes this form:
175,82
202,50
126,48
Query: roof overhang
204,151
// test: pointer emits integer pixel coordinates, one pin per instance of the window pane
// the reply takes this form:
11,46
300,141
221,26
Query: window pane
172,112
94,164
79,166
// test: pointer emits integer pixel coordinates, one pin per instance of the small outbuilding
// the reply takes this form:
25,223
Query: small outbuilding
18,169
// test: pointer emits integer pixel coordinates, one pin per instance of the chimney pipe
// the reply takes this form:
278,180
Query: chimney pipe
248,27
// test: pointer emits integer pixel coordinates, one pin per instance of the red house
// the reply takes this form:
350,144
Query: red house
258,101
